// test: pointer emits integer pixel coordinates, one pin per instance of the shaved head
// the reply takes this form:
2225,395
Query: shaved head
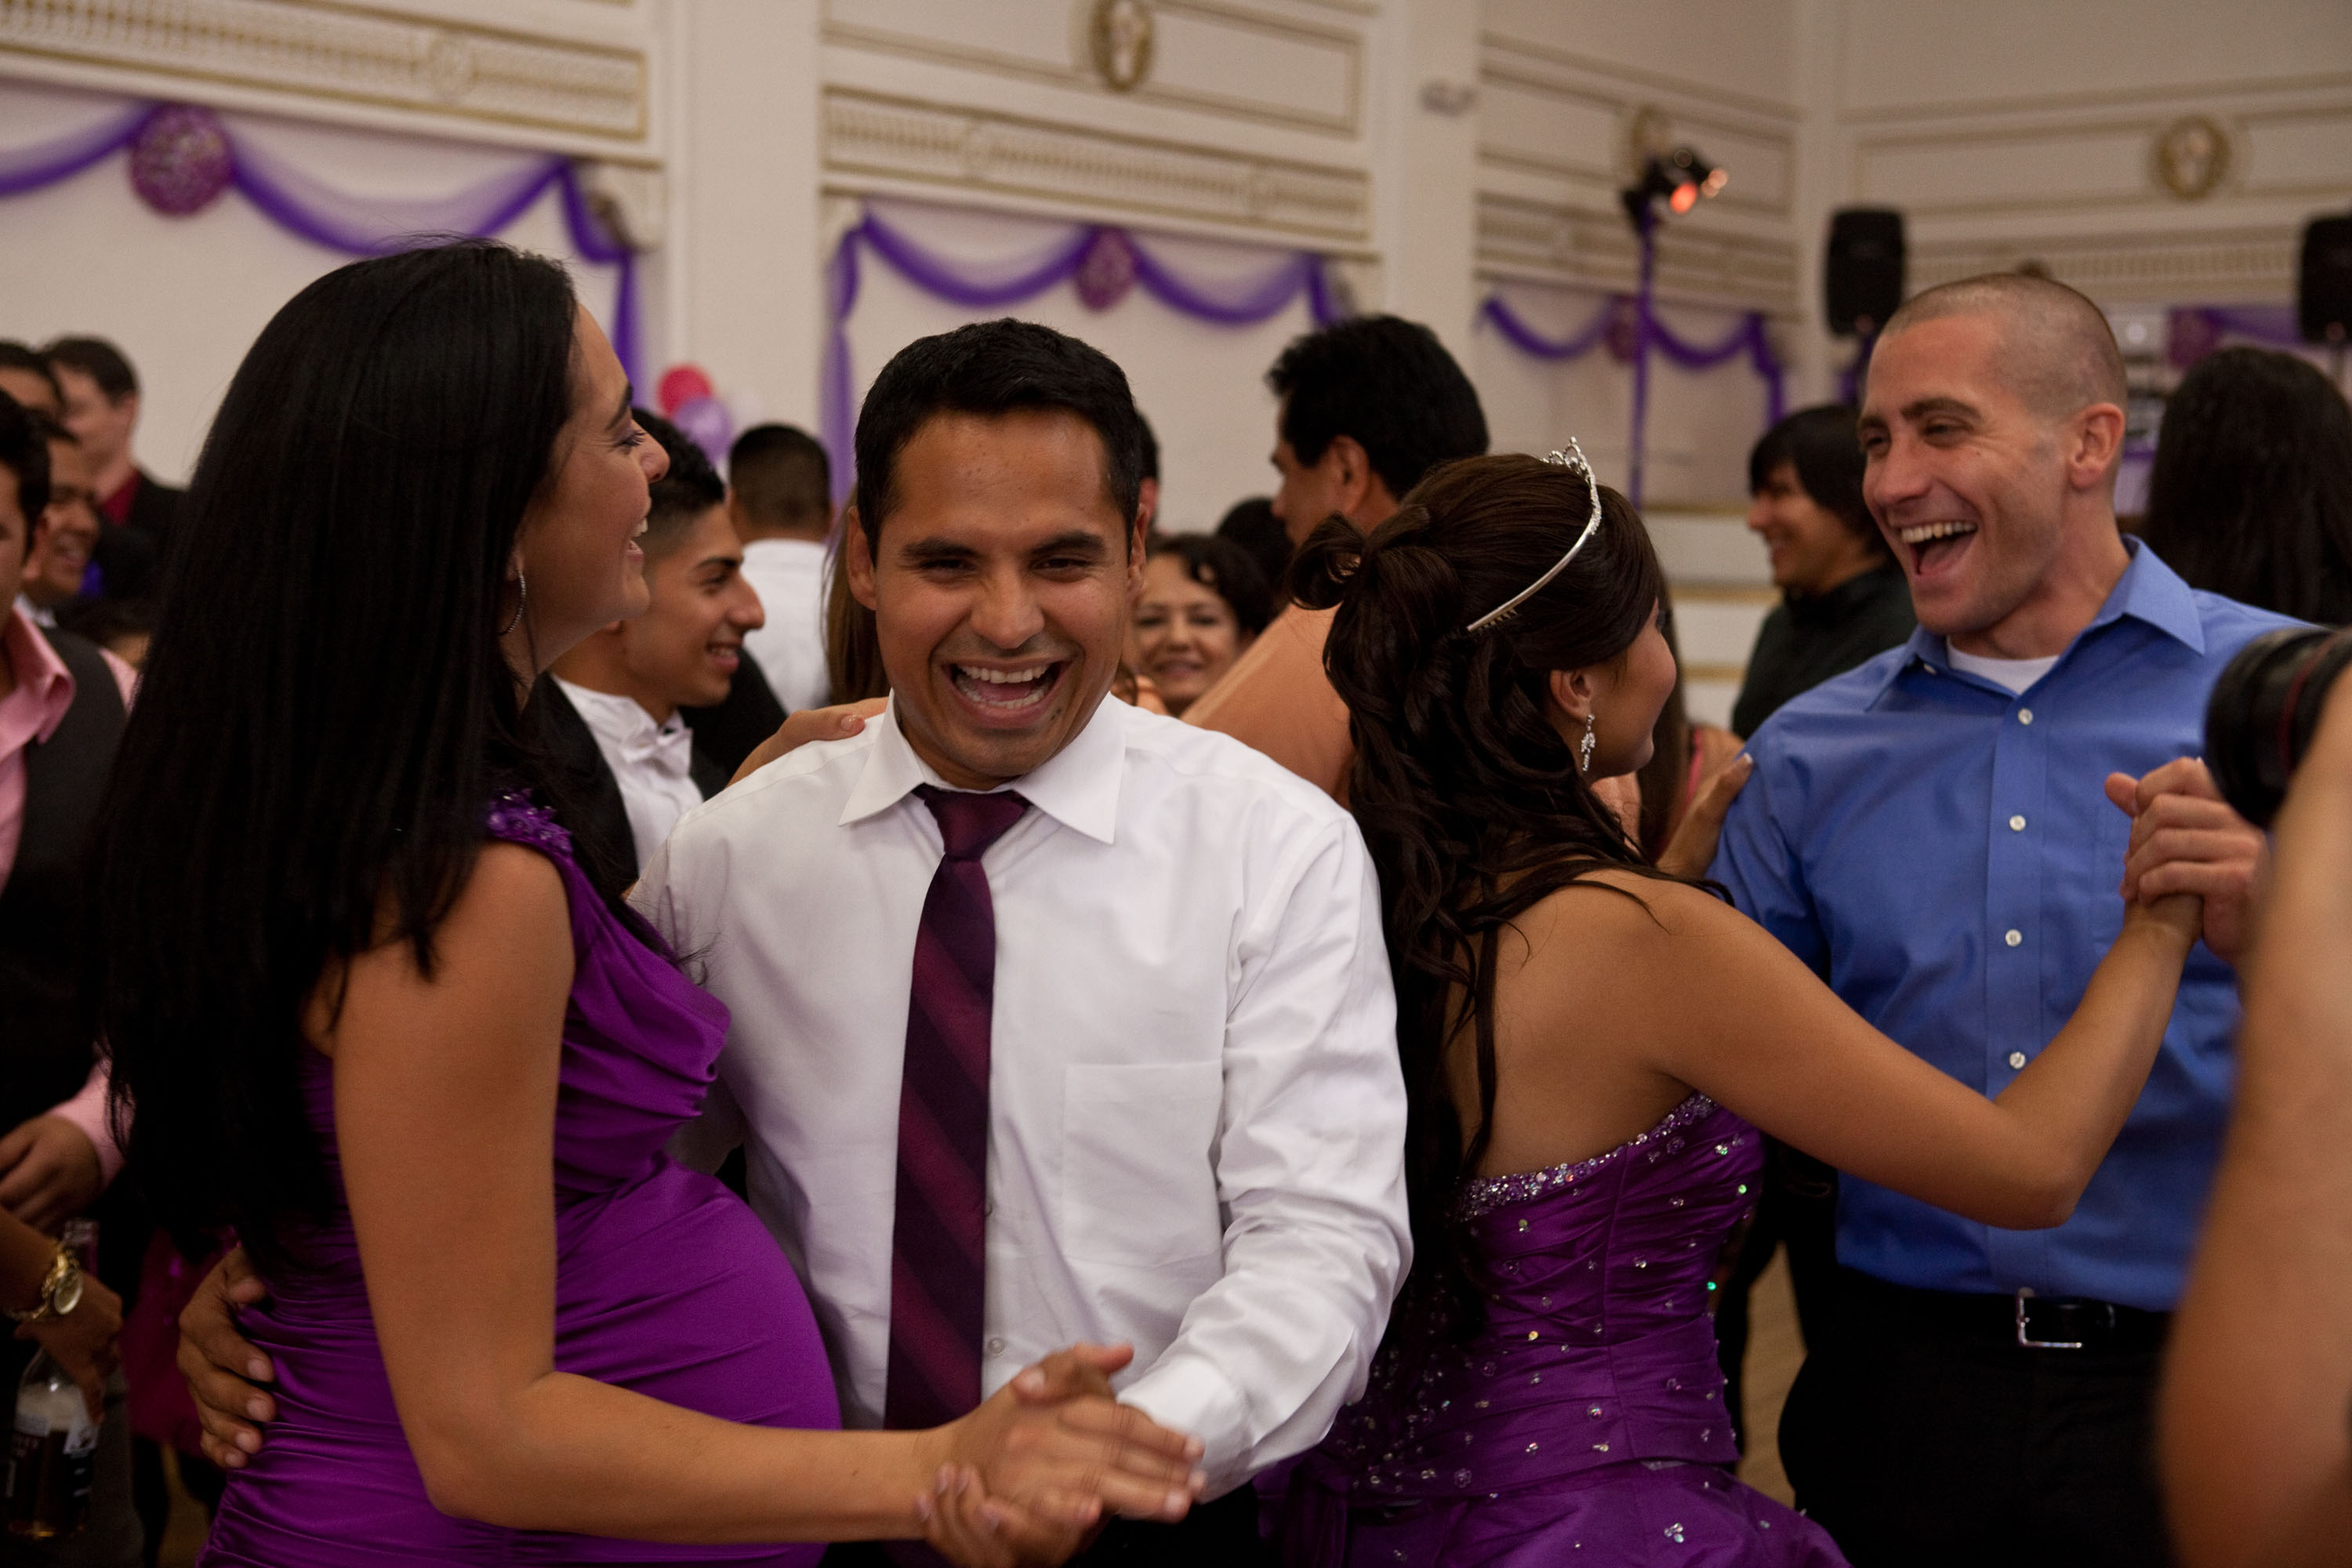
2058,353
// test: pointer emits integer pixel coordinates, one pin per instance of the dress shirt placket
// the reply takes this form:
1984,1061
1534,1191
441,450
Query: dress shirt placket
2017,882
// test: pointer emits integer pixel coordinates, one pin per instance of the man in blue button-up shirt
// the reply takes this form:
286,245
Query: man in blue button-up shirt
1936,834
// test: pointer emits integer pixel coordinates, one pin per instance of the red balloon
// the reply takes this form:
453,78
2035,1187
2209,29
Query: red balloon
680,384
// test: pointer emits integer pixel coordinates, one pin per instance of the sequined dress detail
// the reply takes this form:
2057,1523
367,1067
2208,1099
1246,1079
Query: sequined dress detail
666,1284
1584,1422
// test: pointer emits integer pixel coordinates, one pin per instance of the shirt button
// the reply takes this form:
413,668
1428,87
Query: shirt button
996,1347
2025,715
2017,1058
2012,936
2017,825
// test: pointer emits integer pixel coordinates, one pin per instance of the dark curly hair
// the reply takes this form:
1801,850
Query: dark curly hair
1468,794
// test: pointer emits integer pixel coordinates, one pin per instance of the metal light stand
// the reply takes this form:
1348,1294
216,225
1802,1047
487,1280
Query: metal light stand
1645,229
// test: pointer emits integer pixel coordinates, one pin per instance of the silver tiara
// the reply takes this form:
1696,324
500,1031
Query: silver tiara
1573,461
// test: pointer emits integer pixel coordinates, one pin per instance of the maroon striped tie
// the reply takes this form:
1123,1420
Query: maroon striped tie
939,1241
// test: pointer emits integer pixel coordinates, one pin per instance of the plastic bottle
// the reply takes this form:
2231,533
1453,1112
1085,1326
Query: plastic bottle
53,1454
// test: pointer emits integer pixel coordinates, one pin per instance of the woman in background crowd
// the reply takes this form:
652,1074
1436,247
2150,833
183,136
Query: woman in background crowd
412,1053
2250,496
1590,1044
1843,597
1203,603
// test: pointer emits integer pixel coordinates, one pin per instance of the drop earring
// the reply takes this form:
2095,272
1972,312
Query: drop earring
1585,748
522,597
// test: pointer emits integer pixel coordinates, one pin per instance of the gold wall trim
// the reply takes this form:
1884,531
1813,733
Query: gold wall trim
347,54
2242,266
933,145
1593,247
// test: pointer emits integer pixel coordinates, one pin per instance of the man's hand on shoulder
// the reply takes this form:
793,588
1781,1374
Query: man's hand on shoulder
2186,839
50,1172
808,725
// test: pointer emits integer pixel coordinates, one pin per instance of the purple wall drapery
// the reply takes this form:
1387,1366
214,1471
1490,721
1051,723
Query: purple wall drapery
1241,303
293,202
1750,338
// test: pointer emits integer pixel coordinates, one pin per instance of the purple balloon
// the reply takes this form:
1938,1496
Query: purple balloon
707,424
181,162
1107,269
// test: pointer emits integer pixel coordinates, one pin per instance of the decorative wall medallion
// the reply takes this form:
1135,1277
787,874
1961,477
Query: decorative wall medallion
181,162
1119,39
1107,271
2191,156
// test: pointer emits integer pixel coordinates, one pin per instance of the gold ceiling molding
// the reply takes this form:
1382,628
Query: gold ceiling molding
346,54
1594,248
2246,265
869,134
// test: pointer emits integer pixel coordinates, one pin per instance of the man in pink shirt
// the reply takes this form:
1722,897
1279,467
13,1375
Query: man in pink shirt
62,704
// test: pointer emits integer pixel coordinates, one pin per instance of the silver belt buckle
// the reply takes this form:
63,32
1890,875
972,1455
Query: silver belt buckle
2027,1340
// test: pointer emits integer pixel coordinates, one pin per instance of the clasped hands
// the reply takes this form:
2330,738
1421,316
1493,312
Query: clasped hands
2185,838
1028,1478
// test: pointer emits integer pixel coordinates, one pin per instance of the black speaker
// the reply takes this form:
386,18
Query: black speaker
1862,279
2324,292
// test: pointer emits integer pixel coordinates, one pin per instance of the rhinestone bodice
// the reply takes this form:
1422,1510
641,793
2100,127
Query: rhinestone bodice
1598,1347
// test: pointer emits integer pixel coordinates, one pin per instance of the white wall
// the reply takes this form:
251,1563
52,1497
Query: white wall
184,297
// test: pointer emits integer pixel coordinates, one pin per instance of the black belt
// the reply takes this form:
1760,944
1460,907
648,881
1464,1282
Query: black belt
2024,1321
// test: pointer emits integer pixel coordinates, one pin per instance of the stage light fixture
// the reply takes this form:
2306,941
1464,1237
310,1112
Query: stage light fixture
1681,178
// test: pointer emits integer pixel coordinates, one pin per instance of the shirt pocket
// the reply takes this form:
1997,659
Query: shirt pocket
1138,1186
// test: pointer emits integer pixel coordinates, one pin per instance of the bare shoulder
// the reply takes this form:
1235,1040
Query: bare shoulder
1620,906
513,903
511,886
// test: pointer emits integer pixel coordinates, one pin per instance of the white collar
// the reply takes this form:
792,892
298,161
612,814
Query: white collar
623,718
1077,786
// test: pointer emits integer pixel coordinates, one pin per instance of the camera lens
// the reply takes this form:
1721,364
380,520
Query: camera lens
2262,711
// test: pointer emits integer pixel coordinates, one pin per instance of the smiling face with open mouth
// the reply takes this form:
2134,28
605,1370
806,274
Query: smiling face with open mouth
1000,586
1979,494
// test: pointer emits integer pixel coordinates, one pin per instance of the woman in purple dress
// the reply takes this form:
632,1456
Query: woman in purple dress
1590,1044
376,1015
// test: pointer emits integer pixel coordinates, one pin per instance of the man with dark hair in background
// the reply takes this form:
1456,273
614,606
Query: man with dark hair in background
1368,406
1843,597
102,409
782,504
616,701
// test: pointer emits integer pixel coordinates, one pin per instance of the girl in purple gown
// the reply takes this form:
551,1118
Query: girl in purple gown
1586,1040
374,1013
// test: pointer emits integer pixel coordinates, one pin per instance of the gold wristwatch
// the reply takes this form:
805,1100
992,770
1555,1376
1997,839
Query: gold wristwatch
60,1290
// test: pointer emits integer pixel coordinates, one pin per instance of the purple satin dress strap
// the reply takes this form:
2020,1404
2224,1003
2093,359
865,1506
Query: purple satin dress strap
1583,1422
666,1284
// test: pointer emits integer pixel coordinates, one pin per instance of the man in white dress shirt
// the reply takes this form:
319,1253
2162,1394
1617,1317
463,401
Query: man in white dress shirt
627,682
781,502
1194,1118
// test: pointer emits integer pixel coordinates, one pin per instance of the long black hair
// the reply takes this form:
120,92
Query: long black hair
1469,797
2251,494
326,710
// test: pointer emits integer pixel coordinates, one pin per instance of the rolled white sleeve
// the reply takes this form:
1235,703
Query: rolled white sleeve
1310,1168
